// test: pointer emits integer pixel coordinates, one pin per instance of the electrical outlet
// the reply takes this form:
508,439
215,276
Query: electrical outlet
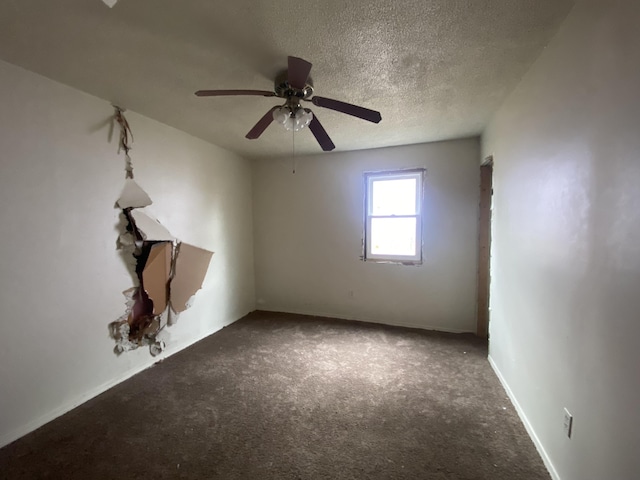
568,422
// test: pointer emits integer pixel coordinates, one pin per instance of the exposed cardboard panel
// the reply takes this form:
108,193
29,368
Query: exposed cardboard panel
133,196
192,264
156,275
150,229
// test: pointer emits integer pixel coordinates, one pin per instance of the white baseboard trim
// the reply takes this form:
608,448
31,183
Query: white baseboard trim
17,433
358,318
527,425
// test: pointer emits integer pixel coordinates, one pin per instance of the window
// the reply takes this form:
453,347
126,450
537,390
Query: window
393,216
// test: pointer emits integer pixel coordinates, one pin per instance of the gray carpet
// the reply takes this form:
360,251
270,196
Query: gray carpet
278,396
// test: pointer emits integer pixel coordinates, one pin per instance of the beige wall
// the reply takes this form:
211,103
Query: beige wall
308,238
61,277
565,304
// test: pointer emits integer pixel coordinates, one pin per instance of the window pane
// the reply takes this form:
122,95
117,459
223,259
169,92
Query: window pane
393,197
393,236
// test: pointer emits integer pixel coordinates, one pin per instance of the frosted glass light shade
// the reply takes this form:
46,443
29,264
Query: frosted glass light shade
281,115
292,121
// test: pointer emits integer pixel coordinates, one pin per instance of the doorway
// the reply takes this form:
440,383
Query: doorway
484,246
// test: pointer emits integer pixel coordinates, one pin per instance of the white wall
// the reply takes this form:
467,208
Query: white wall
565,319
61,277
308,238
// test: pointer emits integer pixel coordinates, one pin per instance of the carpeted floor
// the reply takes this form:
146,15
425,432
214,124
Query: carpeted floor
278,396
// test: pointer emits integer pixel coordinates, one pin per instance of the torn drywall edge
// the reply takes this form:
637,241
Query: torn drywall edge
147,305
119,329
192,264
133,196
147,326
149,228
162,293
141,314
128,249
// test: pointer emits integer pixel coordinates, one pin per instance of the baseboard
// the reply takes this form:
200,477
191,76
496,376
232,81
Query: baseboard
527,425
360,318
14,435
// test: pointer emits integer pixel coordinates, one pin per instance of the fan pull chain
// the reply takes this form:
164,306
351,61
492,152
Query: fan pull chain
293,151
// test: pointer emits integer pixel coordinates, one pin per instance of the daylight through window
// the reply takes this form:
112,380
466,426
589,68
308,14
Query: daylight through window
393,216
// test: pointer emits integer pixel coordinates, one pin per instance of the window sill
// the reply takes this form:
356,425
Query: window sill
407,263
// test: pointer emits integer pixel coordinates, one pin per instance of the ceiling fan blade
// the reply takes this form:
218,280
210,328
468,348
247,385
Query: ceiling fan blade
320,133
262,124
298,72
353,110
220,93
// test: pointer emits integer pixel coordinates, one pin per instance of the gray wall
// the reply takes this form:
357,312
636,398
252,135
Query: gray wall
61,277
308,238
566,244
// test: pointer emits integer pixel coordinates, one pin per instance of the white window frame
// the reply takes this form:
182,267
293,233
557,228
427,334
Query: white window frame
369,178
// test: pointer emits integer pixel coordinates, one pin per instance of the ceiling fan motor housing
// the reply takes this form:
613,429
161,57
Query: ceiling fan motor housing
284,90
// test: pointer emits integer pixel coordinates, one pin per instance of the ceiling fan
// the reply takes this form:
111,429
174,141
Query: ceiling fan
295,86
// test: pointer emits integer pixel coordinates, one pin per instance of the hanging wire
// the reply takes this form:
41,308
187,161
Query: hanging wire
126,139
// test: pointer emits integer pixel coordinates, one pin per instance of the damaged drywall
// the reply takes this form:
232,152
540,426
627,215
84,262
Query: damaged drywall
166,271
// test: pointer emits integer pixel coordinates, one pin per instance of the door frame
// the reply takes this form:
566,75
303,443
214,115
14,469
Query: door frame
484,247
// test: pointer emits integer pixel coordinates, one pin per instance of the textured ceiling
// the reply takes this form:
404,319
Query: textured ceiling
435,69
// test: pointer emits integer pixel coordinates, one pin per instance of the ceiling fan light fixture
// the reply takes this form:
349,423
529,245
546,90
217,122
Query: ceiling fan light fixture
291,119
